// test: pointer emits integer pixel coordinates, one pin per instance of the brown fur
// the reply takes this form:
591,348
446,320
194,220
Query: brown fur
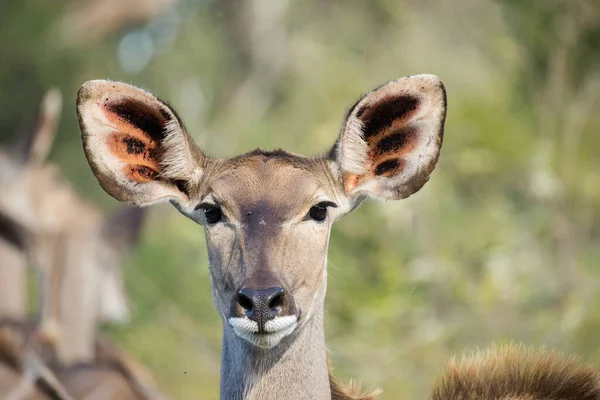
515,372
352,391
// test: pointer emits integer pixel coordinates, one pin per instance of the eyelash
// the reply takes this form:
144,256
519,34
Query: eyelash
319,212
212,212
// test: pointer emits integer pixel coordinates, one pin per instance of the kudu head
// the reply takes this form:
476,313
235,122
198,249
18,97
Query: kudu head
28,183
266,214
76,251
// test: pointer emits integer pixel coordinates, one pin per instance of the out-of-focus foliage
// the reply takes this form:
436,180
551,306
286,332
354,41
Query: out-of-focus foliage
502,243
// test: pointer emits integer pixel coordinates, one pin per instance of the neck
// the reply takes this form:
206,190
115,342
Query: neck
294,369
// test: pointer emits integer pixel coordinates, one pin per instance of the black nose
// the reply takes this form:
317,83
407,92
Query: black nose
261,305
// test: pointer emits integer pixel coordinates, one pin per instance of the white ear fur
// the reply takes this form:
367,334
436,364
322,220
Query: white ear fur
391,139
179,158
135,144
353,150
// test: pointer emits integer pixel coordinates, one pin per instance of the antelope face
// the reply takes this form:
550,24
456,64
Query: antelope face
267,218
267,215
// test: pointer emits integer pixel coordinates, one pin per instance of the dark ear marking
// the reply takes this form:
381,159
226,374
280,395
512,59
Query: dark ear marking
140,154
386,132
381,116
398,142
134,145
182,186
137,142
149,120
389,167
140,173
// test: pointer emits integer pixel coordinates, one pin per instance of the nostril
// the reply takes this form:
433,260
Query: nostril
245,301
276,301
261,305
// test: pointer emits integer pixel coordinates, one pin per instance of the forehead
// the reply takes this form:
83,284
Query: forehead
277,181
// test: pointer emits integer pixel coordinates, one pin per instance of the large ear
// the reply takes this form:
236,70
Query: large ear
136,145
392,137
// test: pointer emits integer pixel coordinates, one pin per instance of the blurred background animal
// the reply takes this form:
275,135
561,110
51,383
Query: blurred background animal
77,253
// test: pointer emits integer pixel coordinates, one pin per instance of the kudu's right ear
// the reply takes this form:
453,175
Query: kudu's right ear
136,145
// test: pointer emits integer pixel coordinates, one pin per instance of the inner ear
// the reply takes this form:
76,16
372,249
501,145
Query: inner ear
387,136
139,131
391,139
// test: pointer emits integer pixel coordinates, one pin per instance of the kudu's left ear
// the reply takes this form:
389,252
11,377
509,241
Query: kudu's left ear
391,139
136,145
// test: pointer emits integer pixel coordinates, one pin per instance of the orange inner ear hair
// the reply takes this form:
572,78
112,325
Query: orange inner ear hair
138,150
350,182
140,173
132,146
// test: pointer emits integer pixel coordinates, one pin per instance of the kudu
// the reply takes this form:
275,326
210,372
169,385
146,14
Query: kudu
16,203
79,253
86,363
267,216
43,221
67,338
101,370
37,206
23,375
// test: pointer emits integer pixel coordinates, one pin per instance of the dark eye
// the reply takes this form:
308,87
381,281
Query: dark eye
212,213
319,212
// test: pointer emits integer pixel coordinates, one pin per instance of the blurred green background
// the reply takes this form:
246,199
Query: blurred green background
502,243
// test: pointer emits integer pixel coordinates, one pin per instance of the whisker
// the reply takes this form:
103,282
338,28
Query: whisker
333,266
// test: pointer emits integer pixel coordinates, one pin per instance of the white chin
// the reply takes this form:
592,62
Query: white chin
275,330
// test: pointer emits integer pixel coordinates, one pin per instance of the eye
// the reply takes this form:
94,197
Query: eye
319,211
212,213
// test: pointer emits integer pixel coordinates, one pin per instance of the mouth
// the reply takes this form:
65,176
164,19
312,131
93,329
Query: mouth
274,330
